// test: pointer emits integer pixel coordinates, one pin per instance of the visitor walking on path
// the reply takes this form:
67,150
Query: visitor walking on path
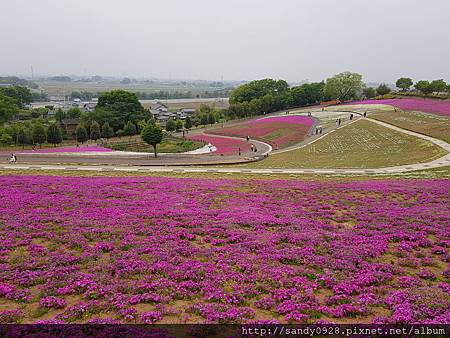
239,150
252,147
13,159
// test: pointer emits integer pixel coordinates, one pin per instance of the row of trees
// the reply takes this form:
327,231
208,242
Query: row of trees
268,95
423,86
30,134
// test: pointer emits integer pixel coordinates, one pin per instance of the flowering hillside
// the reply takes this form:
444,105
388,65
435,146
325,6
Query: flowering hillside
426,105
166,250
224,146
278,131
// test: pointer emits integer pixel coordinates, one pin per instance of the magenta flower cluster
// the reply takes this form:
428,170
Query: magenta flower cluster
224,145
278,131
168,250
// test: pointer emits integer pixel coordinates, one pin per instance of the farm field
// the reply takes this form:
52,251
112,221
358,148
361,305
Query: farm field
362,144
278,131
167,250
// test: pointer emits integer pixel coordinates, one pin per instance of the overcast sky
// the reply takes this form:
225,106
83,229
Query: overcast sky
237,39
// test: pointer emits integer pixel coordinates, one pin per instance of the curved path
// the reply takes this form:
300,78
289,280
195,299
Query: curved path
441,162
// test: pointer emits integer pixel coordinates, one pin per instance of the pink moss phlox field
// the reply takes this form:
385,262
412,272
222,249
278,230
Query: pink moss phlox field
417,104
158,250
278,131
225,146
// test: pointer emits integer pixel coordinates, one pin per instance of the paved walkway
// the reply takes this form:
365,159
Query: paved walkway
441,162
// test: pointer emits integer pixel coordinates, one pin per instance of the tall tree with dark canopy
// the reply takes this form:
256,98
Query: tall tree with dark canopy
152,134
107,131
188,123
54,135
424,87
130,129
117,107
81,133
95,131
404,83
39,134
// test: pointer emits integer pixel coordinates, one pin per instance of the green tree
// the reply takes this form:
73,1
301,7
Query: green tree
369,92
171,125
5,137
74,113
344,86
22,95
8,108
204,119
107,131
117,107
438,86
383,89
129,129
81,133
179,125
211,118
308,93
54,134
423,86
60,115
404,83
24,136
95,131
152,134
39,135
188,123
257,89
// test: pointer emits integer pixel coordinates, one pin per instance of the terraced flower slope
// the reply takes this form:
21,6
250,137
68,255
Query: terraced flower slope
278,131
224,146
425,105
166,250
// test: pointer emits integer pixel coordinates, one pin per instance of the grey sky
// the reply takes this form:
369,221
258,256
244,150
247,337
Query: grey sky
236,39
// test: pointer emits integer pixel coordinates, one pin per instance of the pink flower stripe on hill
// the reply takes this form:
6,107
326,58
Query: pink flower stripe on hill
69,149
158,250
278,131
417,104
225,146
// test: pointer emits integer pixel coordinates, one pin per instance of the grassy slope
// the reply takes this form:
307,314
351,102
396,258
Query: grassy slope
425,123
168,145
434,125
362,144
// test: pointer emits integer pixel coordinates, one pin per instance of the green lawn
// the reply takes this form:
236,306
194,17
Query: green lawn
168,145
425,123
362,144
